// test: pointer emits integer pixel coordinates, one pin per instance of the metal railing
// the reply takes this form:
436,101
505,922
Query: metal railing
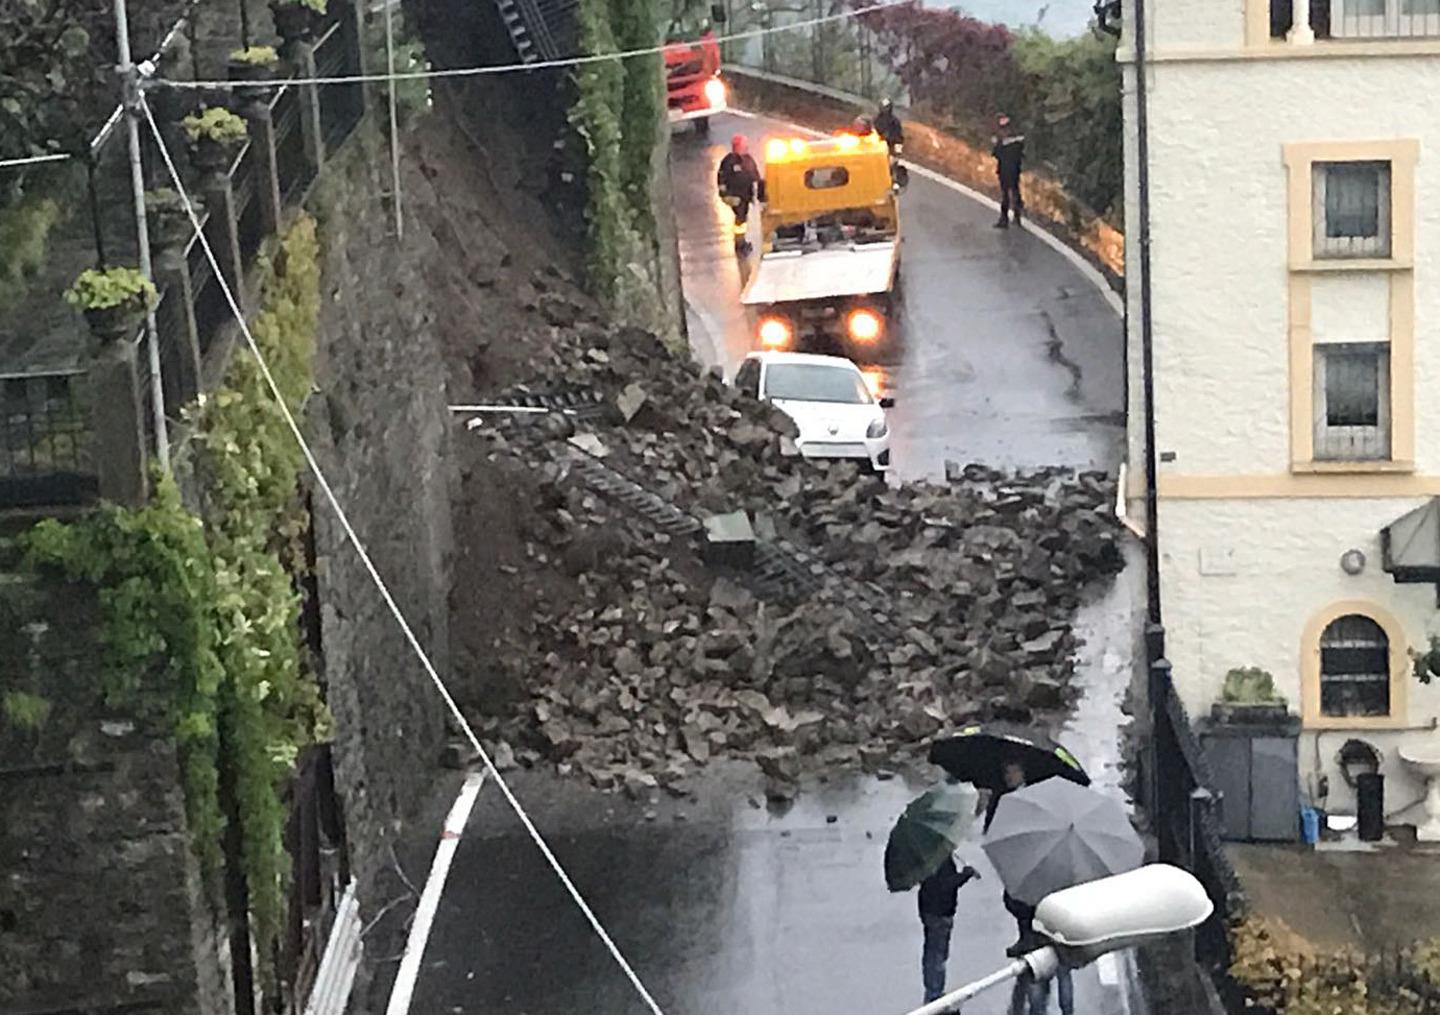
45,440
47,435
1185,815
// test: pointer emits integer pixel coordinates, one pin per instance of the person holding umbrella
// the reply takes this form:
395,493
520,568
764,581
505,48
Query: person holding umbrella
938,903
920,852
1045,837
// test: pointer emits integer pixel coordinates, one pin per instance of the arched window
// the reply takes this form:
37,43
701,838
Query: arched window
1354,668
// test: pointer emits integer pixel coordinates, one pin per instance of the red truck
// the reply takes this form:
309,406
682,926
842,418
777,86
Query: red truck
694,88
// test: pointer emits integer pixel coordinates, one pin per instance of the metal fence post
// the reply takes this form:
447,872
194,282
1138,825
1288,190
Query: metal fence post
266,166
218,193
310,124
1163,745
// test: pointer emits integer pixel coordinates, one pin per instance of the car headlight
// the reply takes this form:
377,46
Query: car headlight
715,92
879,428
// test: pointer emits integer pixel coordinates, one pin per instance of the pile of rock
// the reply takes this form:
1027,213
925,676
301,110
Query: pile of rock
659,665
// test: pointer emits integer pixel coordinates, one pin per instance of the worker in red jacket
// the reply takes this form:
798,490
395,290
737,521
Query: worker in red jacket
740,184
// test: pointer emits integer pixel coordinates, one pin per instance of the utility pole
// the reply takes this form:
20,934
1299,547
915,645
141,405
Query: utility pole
130,86
394,119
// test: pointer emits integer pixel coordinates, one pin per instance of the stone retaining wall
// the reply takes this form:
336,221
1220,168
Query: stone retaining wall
944,152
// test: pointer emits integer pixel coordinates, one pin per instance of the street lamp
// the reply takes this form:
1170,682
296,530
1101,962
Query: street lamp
1102,916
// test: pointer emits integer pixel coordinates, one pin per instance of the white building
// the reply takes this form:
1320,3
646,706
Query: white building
1295,217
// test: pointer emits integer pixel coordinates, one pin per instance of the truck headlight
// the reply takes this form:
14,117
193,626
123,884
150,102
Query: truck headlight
864,325
774,332
714,92
879,428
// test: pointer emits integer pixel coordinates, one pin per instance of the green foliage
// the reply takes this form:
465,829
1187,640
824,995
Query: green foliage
216,124
412,95
24,241
1282,974
201,619
1427,663
643,103
25,711
157,586
596,118
617,114
49,74
1072,116
100,289
249,466
1250,685
260,56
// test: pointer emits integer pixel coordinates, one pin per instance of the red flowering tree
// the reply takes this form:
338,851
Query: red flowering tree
955,67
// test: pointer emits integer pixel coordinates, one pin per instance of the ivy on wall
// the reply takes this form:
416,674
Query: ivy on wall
596,116
618,113
161,662
636,27
200,613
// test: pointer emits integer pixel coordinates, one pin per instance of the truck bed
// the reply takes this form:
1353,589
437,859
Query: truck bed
787,277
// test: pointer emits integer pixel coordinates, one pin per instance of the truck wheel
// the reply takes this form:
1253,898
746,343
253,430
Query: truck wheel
702,126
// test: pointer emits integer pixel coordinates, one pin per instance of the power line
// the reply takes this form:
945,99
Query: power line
379,582
511,68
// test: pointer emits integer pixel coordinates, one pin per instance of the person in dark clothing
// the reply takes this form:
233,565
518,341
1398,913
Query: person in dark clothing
937,917
887,125
741,185
1009,152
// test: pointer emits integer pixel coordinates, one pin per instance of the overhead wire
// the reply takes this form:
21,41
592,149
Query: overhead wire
511,68
354,539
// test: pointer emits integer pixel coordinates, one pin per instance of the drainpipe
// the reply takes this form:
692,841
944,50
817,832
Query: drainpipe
1147,355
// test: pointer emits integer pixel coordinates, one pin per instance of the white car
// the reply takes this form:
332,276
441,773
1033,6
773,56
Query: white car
828,398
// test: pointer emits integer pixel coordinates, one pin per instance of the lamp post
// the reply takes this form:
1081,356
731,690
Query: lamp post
1093,919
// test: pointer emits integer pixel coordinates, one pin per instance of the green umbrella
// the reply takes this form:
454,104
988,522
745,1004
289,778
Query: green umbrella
931,828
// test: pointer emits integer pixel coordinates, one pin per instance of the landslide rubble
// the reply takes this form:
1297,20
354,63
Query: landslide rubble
659,664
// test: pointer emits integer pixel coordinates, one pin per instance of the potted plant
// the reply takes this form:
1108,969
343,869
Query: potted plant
256,64
214,135
295,19
169,225
1249,696
113,300
1427,663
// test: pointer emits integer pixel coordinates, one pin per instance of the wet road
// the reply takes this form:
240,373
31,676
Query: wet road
732,910
1007,354
729,908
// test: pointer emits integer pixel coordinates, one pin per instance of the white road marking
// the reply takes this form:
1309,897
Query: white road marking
404,989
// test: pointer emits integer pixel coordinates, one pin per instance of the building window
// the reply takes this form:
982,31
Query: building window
1384,18
1352,209
1352,402
1354,669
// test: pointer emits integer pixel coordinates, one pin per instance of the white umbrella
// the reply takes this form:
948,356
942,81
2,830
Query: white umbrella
1054,834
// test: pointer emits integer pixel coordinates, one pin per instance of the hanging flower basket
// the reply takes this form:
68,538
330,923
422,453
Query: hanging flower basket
256,67
113,300
169,224
214,136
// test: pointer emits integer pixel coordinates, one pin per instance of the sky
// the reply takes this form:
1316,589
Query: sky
1061,18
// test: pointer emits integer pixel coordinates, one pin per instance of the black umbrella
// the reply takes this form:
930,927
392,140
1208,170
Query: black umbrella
978,754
